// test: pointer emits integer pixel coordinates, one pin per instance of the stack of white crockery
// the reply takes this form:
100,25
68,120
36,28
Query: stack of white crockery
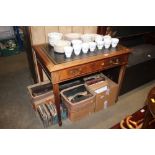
60,44
77,42
88,37
72,36
106,41
68,51
114,42
77,46
54,37
99,41
88,42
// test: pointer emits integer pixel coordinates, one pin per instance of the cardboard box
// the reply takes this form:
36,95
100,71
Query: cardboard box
105,93
80,109
98,85
111,93
100,90
82,113
101,98
37,100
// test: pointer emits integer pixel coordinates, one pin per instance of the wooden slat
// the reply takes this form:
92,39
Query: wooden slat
38,35
49,29
65,29
90,29
77,29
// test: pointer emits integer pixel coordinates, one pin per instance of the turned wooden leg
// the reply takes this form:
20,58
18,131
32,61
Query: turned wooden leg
57,101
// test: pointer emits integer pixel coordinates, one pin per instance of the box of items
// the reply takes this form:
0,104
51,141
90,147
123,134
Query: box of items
48,113
79,101
105,90
40,92
98,85
112,92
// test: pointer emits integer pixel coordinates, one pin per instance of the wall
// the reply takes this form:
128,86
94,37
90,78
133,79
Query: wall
39,33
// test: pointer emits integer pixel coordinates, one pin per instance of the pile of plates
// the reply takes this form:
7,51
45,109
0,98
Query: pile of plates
72,36
59,45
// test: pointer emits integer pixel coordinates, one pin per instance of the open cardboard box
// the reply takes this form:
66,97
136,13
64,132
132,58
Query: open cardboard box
99,89
79,109
105,93
36,100
112,92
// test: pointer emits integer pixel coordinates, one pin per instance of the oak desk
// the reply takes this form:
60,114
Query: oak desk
60,69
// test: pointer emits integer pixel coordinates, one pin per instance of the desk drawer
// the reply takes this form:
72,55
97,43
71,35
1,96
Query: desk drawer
116,61
77,71
91,67
110,62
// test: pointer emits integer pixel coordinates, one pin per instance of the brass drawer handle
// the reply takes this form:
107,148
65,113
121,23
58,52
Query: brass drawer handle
75,71
102,64
115,61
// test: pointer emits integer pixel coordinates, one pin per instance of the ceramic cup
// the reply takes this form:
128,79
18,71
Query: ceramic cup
86,38
68,51
107,37
107,43
54,37
76,41
100,44
85,47
98,38
114,42
77,48
92,46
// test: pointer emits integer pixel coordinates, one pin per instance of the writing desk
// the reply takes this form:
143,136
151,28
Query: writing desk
58,68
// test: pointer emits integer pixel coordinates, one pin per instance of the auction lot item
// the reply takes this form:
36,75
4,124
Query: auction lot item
40,92
79,101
